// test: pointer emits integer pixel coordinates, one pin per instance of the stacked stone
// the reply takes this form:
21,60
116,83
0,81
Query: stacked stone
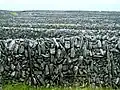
85,59
1,63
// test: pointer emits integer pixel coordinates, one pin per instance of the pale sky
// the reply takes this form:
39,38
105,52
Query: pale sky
99,5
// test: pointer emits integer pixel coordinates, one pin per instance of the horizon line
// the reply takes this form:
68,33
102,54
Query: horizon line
61,10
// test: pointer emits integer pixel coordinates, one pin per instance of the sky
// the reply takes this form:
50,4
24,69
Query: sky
94,5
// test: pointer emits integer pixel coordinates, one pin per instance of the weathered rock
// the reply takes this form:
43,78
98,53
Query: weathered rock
72,52
52,51
53,61
67,43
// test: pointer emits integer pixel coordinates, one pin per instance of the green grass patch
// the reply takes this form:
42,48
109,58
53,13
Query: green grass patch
20,86
14,13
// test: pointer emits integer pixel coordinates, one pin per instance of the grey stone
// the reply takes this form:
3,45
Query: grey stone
13,73
21,49
52,51
67,44
1,68
72,52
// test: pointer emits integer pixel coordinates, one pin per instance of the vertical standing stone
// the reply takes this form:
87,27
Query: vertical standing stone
1,69
72,54
30,62
109,64
0,81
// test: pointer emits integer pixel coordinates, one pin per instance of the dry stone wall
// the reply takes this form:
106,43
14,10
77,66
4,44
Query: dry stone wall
83,59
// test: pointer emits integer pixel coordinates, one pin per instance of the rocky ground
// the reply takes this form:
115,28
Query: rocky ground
60,47
37,24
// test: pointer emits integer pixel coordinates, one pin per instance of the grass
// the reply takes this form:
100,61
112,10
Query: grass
13,13
20,86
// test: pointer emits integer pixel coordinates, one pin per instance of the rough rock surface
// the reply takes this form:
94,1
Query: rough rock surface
86,59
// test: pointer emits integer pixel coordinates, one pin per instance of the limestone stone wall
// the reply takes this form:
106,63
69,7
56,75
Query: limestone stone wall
84,59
